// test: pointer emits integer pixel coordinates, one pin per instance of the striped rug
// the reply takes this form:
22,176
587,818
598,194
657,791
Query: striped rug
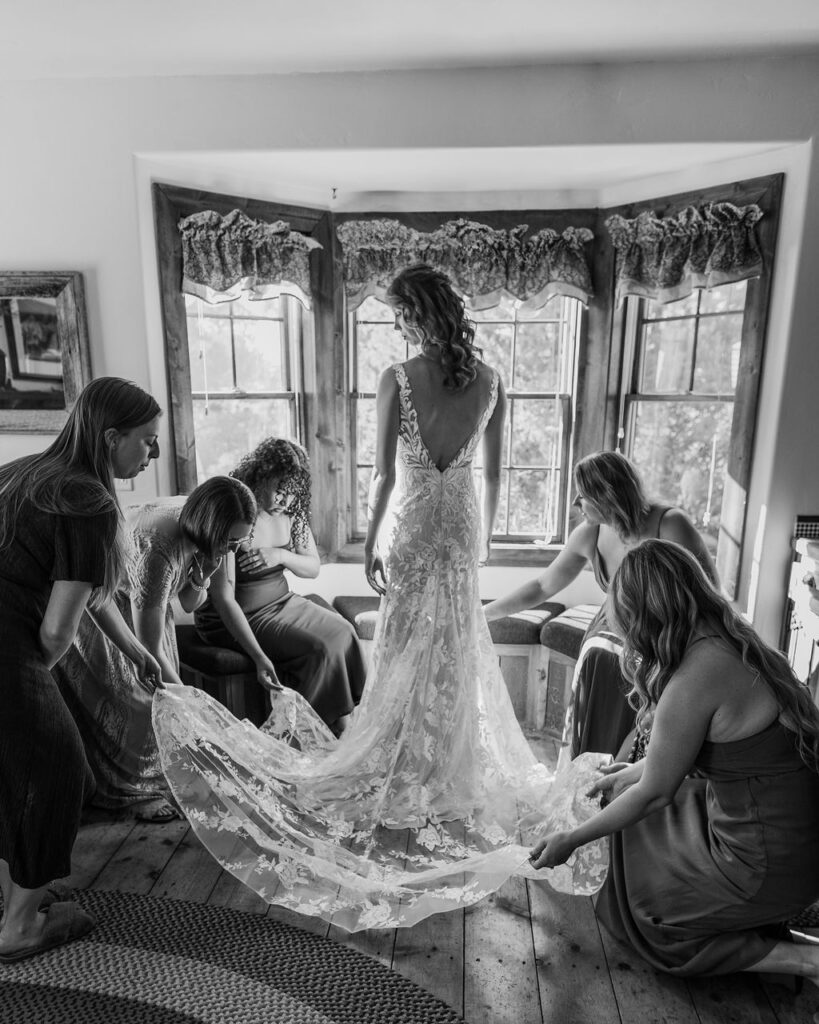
156,961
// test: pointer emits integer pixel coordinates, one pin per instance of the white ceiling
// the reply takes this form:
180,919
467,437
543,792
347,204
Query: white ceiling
116,38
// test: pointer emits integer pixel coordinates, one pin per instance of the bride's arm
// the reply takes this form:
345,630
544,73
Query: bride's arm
492,452
383,478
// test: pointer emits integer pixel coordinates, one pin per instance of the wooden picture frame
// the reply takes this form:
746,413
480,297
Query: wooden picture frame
41,348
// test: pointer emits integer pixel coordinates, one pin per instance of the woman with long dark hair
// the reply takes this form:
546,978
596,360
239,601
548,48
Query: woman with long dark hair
61,551
616,516
714,836
290,638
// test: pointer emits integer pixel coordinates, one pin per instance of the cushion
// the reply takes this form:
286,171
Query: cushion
212,661
362,612
564,633
522,628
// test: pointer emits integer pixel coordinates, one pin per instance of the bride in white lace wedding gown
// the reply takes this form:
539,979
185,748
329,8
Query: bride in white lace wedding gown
316,823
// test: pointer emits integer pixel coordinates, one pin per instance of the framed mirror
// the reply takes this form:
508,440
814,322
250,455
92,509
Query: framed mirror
44,353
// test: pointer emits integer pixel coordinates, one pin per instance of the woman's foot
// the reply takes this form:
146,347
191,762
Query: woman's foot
159,812
60,923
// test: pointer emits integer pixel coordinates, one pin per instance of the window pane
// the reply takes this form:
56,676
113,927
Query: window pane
537,357
681,451
365,418
379,346
210,356
663,310
232,428
244,306
536,425
504,311
198,307
374,309
667,353
496,342
529,500
259,355
718,343
726,297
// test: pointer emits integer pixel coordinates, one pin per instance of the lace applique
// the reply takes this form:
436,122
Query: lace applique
316,824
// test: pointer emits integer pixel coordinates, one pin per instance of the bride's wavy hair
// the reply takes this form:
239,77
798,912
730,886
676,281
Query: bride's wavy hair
438,312
658,598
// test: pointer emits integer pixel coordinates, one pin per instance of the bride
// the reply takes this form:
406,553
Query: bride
317,823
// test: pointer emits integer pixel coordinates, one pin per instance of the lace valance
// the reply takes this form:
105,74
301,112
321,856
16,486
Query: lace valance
223,257
666,258
484,263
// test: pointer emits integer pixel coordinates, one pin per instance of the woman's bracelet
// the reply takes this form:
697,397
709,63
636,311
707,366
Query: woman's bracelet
203,589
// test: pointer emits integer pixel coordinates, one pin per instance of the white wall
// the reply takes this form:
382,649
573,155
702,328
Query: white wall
73,198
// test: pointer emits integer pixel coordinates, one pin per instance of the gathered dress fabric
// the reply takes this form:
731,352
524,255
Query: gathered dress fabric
600,716
44,774
314,650
99,683
317,824
694,886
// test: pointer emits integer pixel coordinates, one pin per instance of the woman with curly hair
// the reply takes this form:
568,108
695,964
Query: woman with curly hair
714,836
310,648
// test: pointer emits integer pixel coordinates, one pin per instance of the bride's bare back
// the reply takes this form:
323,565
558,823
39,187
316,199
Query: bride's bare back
446,418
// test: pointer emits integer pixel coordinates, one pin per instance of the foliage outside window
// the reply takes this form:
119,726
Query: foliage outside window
535,354
679,403
244,377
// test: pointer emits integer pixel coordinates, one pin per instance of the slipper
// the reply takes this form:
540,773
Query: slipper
65,922
160,812
55,893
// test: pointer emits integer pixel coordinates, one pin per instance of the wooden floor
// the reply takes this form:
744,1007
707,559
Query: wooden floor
525,956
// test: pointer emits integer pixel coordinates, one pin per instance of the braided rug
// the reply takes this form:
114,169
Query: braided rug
156,961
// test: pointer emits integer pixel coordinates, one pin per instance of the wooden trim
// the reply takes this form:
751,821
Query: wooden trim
171,203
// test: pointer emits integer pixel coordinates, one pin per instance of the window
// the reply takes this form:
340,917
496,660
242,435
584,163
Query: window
244,377
683,361
536,355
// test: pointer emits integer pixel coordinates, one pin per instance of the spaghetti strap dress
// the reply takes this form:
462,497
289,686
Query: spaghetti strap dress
44,774
314,650
695,887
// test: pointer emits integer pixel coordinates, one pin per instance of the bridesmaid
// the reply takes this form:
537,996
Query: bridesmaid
714,836
60,553
617,515
251,608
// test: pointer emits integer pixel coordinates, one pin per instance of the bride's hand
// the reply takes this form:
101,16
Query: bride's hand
373,568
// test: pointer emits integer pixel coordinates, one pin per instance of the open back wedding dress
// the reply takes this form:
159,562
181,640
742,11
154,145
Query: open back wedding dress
318,824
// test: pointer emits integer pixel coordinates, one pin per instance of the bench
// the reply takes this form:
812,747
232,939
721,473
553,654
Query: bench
523,660
561,638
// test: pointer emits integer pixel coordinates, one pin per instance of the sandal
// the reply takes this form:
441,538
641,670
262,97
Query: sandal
159,812
64,923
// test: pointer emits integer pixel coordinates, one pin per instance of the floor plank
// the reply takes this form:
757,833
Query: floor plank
731,999
431,953
572,972
500,977
97,841
191,873
642,993
140,860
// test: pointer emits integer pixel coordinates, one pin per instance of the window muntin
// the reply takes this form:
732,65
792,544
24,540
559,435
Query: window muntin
536,355
244,377
683,360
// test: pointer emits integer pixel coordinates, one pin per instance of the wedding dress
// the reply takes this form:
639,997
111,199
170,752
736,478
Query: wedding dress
319,824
